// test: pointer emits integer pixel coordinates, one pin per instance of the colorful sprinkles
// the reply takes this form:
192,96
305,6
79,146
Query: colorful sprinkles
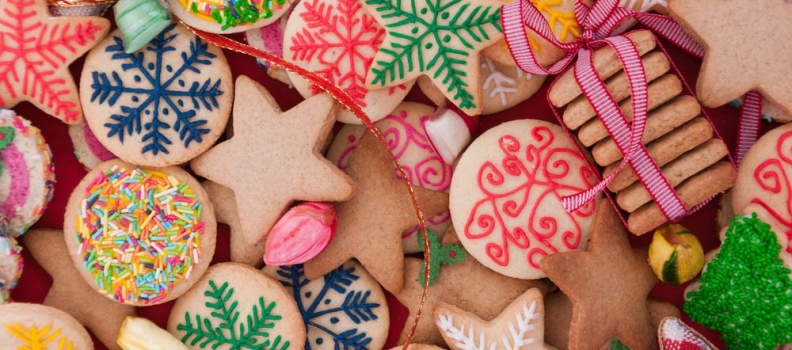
139,233
232,13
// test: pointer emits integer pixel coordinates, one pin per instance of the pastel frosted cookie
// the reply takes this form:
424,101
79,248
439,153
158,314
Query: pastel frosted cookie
345,308
269,38
229,16
161,105
88,150
338,40
10,263
27,178
140,236
503,87
39,327
236,304
403,128
506,197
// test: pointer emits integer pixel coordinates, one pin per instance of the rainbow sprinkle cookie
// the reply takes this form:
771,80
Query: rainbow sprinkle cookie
229,16
139,234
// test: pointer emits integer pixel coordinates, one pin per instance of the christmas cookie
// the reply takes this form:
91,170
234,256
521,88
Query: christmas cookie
676,335
346,308
27,175
35,53
229,16
161,105
440,39
235,304
506,197
88,150
269,38
140,236
10,263
338,40
502,86
224,202
38,327
404,130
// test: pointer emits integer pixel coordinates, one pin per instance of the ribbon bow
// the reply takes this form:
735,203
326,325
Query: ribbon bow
598,22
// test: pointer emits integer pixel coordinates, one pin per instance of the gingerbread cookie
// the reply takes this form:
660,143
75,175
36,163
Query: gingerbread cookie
224,202
140,236
88,150
236,304
27,178
161,105
353,311
37,50
229,16
32,326
11,263
288,164
404,130
506,197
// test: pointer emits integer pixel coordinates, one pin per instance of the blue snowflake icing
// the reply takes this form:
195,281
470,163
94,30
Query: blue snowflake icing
160,98
355,306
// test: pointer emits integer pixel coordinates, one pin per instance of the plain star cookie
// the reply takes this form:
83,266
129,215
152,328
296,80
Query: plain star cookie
286,147
224,202
35,53
345,308
235,304
743,44
229,16
161,105
506,197
140,236
38,327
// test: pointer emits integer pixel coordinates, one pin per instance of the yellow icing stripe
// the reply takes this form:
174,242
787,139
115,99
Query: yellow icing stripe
569,25
34,339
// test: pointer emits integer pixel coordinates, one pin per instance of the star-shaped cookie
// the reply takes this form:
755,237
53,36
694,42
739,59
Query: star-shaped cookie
370,224
273,158
747,48
70,293
36,50
437,38
608,285
225,208
519,327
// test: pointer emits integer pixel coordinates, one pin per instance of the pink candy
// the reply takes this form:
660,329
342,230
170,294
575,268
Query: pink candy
301,234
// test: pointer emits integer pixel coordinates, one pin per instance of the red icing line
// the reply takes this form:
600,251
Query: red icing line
771,175
98,150
14,164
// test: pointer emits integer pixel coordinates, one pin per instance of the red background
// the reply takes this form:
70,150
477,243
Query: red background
35,282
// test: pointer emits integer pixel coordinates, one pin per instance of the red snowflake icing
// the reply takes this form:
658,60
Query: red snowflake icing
35,51
344,39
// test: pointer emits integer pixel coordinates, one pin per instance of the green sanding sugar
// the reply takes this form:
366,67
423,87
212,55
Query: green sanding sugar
746,292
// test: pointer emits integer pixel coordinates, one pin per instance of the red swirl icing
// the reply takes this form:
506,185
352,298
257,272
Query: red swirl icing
771,175
516,188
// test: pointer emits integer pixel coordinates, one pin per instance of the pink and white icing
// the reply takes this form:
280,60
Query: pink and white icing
87,148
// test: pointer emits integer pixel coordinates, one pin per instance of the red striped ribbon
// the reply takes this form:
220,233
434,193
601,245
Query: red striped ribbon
750,116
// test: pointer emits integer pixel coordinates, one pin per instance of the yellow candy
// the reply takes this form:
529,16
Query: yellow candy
138,333
675,254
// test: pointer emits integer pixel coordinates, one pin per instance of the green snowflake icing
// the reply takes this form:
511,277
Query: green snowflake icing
441,36
746,292
251,334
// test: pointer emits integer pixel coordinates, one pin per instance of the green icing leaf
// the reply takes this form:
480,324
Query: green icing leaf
6,137
439,255
251,333
671,269
617,345
746,292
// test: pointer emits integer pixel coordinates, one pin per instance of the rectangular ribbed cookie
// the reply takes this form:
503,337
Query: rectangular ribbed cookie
679,170
659,92
716,179
664,150
606,63
658,123
579,111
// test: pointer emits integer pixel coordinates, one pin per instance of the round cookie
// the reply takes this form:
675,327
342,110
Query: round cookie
39,327
502,86
404,131
140,236
161,105
506,195
229,16
11,263
88,150
236,304
269,38
337,40
27,178
346,304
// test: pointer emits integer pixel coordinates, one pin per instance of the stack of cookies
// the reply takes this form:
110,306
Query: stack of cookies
680,140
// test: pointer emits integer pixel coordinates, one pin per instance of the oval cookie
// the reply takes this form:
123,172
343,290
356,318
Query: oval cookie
229,16
88,150
236,304
162,105
11,263
506,197
39,327
27,179
346,304
140,236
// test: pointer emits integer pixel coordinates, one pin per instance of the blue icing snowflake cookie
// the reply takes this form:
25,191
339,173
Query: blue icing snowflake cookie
161,105
345,309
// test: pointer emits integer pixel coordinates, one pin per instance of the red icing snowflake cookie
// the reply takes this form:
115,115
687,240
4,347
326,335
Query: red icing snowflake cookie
506,195
338,39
